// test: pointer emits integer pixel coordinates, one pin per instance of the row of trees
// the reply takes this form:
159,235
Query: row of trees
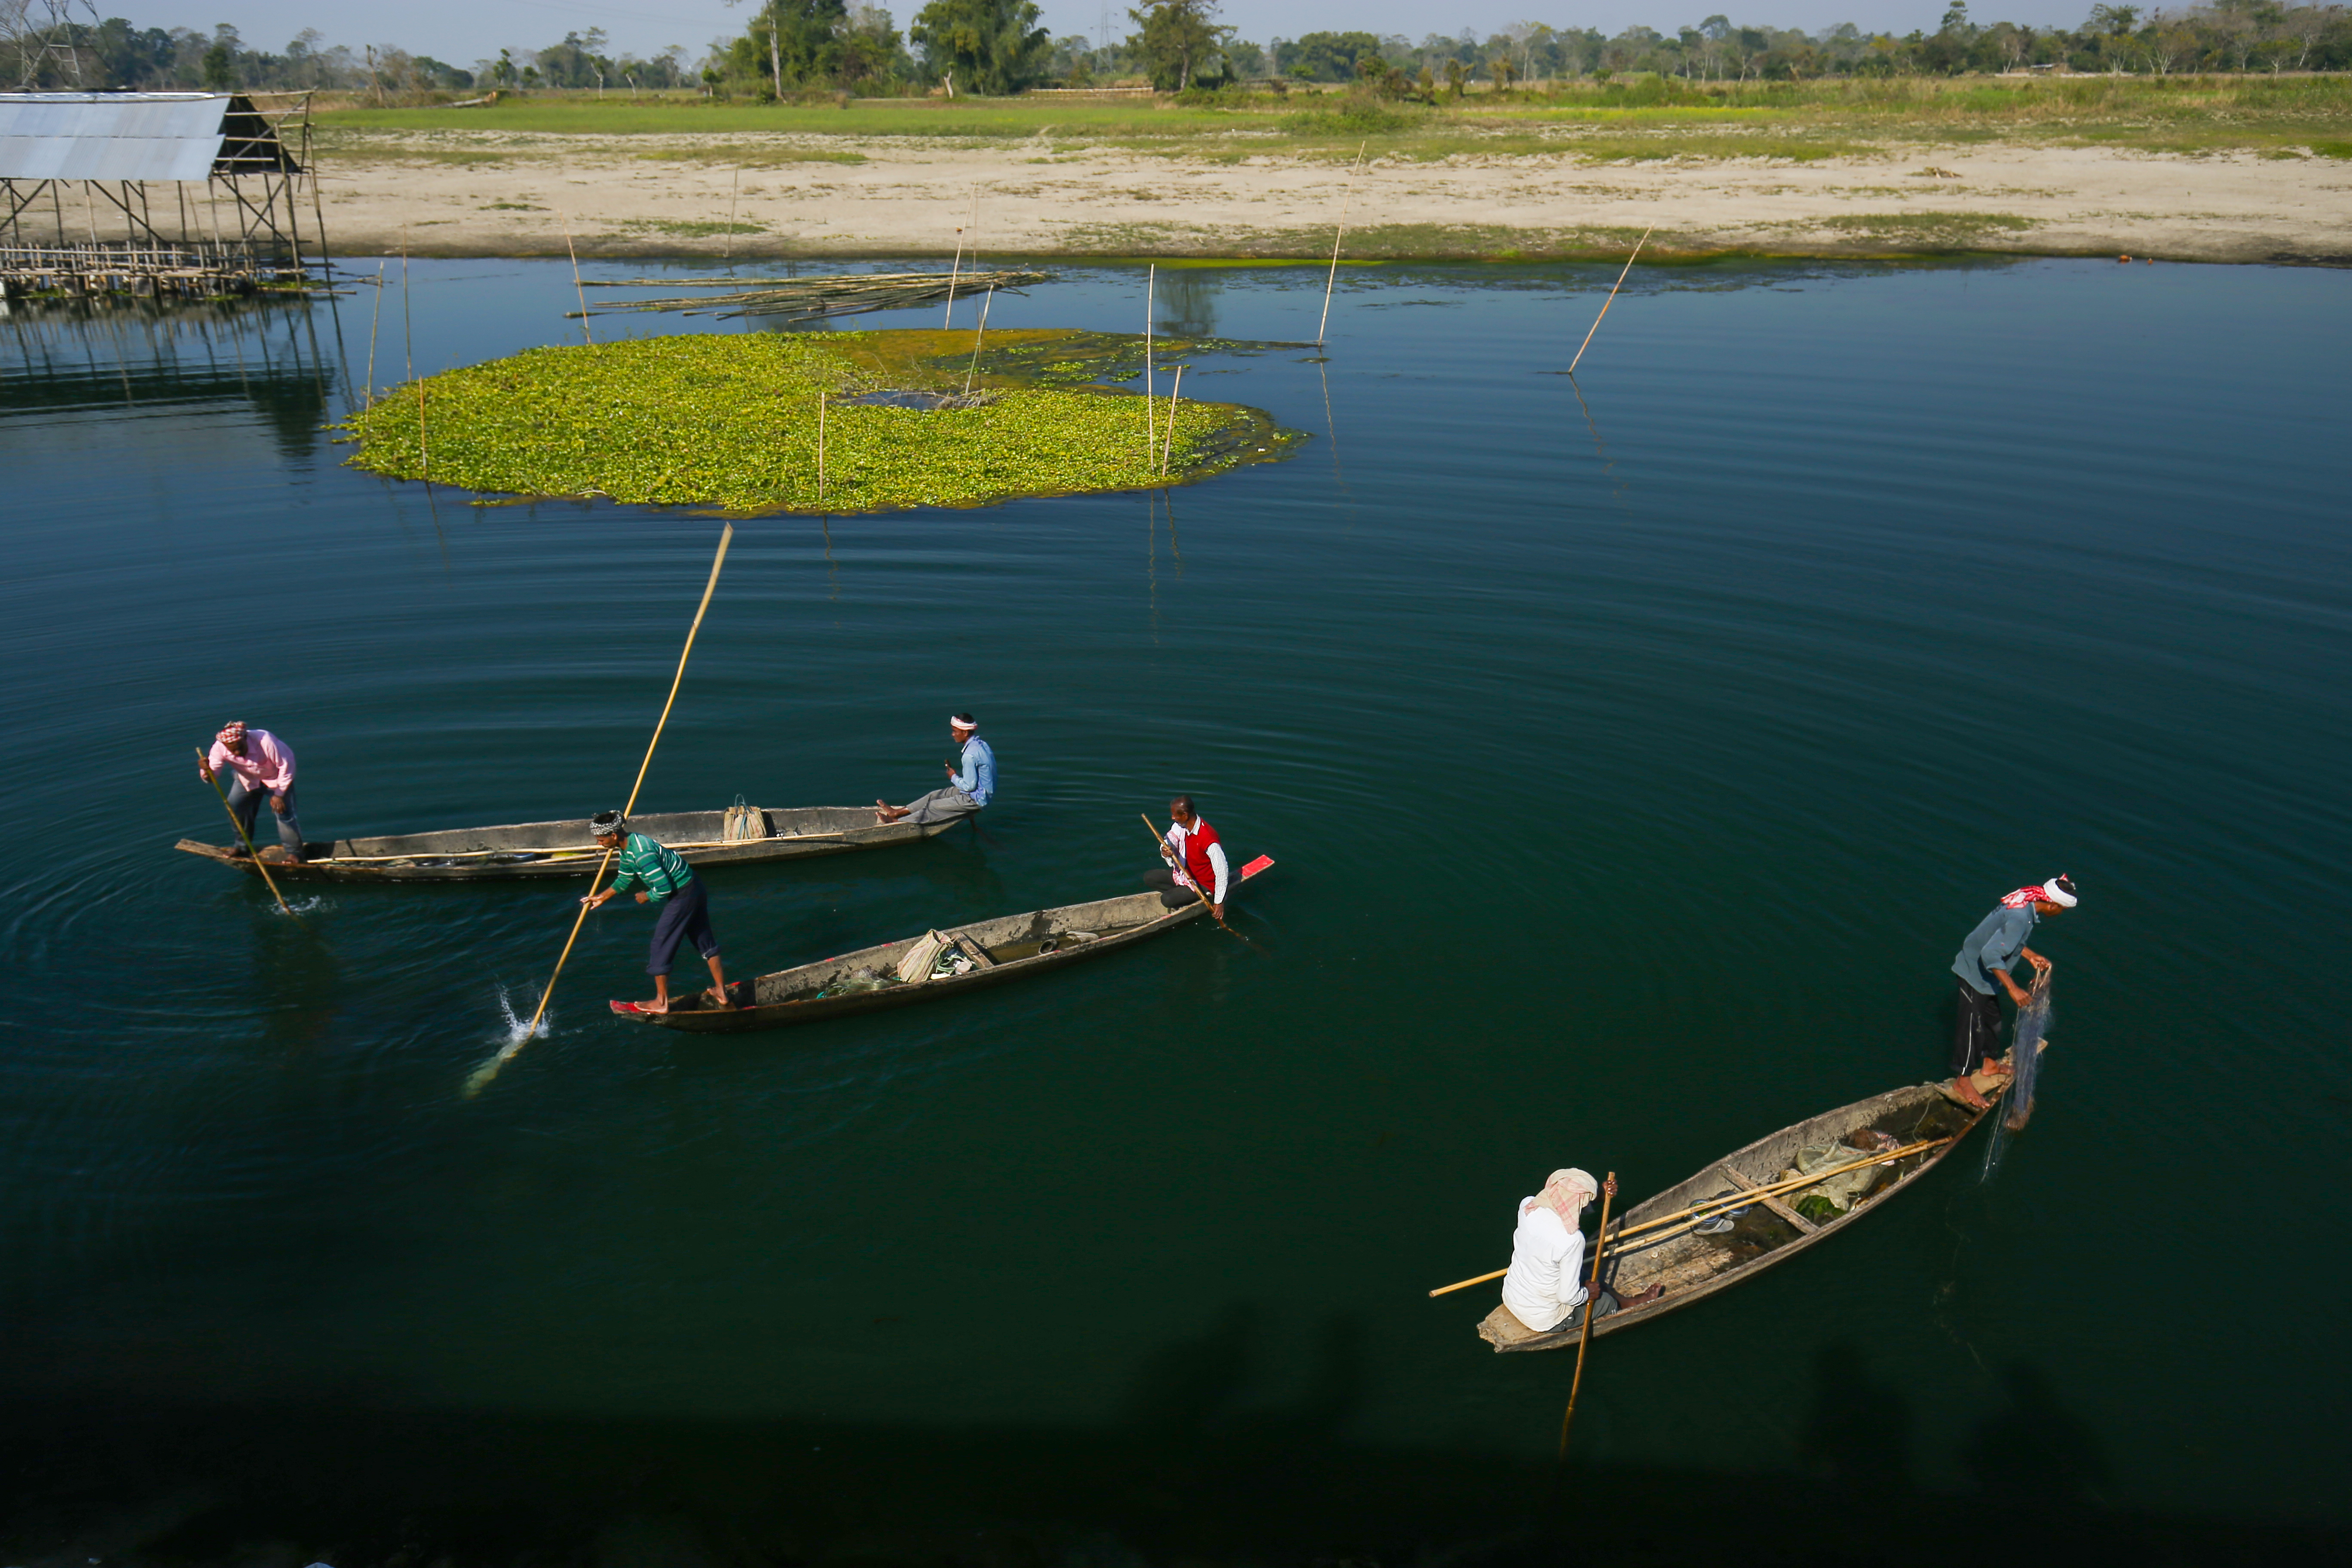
998,47
2223,36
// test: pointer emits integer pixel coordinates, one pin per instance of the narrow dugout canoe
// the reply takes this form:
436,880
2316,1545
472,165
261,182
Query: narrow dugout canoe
1012,947
1693,1267
565,849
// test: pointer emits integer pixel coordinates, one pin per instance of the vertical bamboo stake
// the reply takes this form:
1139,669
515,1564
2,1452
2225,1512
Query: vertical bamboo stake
954,272
408,358
978,333
1337,235
1150,429
373,322
1611,300
577,287
1169,445
820,445
489,1069
1592,1306
734,189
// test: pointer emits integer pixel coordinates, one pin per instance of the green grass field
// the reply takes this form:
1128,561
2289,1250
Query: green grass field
1646,119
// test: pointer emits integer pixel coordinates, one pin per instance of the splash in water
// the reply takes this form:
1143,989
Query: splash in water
518,1027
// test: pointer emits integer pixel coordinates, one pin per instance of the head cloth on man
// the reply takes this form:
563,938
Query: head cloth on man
608,825
231,732
2058,890
1567,1192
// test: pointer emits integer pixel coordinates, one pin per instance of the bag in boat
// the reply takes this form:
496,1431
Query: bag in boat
916,967
741,824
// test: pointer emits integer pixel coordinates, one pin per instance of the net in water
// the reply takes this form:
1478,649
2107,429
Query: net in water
2025,1053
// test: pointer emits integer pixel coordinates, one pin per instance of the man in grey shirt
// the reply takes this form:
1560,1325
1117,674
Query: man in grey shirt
1983,963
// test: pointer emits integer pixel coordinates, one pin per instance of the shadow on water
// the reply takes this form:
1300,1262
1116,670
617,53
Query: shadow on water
1193,1471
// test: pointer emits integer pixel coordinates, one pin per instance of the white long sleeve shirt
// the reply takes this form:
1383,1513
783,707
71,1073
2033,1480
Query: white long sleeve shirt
1546,1279
1216,853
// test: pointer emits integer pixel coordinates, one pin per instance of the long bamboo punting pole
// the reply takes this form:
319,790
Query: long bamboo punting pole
564,850
1611,300
1337,235
489,1069
1698,1212
820,445
246,840
1592,1310
373,322
1151,295
1161,839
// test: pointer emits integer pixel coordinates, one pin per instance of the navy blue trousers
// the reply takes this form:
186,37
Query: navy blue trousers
686,913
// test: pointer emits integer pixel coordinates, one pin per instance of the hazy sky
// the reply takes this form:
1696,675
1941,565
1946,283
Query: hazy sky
463,31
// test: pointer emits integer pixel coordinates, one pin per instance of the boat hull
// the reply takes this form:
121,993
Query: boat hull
536,849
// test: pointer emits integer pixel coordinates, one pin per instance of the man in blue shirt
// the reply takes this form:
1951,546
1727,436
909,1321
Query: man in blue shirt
1983,962
967,788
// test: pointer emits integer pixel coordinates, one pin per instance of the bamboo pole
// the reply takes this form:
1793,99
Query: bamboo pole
563,849
569,249
408,361
1330,282
954,271
1169,445
1151,295
1611,300
373,322
726,252
1591,1311
246,840
820,445
489,1069
1699,1212
978,333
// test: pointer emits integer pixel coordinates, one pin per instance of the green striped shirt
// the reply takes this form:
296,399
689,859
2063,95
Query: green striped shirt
654,867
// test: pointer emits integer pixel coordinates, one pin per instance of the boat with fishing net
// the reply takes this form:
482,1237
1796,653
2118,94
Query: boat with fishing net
738,836
1764,1204
935,963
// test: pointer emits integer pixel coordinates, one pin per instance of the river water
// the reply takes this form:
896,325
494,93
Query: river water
1634,751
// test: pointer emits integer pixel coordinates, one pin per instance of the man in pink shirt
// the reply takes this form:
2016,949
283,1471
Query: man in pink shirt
260,764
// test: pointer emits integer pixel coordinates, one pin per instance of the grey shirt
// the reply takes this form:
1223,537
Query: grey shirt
1993,946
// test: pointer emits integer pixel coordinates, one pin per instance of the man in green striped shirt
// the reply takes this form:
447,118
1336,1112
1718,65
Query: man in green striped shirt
682,907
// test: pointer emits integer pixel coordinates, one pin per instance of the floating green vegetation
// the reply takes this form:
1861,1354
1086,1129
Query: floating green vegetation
732,421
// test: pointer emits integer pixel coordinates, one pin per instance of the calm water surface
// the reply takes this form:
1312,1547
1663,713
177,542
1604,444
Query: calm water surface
1633,763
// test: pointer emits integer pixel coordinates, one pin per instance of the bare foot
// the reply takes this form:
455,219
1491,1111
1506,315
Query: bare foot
717,998
1645,1299
1968,1093
655,1005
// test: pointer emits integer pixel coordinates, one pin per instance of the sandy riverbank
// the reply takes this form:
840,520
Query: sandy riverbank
787,195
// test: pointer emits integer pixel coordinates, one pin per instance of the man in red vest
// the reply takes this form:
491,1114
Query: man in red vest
1195,859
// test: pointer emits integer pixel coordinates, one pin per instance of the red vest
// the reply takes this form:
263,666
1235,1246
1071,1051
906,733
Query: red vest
1196,856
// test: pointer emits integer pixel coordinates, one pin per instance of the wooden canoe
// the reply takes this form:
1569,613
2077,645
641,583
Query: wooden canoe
1694,1267
1012,947
565,849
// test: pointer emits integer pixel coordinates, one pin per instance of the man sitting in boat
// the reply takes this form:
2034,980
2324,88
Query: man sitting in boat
667,883
1544,1284
964,792
262,764
1195,859
1985,959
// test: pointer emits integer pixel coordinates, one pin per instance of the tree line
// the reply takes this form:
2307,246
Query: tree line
994,47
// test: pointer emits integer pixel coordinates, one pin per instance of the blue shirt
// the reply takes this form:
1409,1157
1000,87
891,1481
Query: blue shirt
977,779
1993,948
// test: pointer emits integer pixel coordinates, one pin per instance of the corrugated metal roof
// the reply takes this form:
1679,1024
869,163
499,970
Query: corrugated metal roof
128,136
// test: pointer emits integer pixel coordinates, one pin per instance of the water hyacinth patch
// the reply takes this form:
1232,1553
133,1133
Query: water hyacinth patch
732,421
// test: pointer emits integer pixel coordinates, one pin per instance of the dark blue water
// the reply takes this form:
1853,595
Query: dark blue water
1634,761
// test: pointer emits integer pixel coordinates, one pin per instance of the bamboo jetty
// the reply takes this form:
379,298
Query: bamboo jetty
193,271
807,298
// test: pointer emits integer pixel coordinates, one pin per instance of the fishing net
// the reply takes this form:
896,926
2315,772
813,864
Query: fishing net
2025,1053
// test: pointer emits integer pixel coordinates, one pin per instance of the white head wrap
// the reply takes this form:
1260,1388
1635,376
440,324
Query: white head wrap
956,724
1567,1192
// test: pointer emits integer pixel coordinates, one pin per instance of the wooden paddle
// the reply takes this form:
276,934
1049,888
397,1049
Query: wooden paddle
489,1069
1699,1212
1591,1311
245,839
1162,842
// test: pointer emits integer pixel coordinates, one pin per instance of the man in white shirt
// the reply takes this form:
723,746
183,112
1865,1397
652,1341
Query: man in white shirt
1195,858
1544,1284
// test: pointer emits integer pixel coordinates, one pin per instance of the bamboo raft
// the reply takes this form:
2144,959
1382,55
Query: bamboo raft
1010,948
808,298
565,849
1925,1120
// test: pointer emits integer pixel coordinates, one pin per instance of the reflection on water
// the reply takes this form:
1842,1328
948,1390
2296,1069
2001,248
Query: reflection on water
1186,306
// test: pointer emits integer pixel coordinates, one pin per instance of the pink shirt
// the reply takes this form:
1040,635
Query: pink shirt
267,764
